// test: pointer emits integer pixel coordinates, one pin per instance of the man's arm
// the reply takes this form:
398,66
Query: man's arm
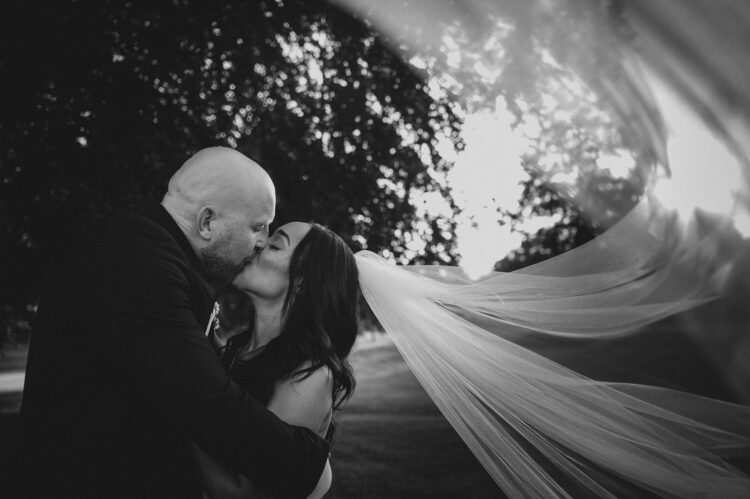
308,403
303,402
155,338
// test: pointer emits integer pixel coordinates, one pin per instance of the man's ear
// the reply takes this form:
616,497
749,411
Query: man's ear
205,222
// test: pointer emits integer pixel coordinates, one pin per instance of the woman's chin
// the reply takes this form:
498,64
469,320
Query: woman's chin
243,280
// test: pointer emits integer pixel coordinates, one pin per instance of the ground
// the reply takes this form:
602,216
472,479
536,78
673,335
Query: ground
392,442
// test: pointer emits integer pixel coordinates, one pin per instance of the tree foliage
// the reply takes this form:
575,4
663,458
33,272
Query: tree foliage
568,82
561,70
103,100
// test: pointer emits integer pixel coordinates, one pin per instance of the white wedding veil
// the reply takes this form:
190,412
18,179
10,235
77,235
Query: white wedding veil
542,430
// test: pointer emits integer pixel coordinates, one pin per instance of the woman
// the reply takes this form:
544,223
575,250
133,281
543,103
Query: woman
303,287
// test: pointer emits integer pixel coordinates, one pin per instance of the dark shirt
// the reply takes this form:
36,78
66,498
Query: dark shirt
261,371
120,378
257,374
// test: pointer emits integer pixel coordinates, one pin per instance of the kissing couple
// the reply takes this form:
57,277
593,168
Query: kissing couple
131,394
127,397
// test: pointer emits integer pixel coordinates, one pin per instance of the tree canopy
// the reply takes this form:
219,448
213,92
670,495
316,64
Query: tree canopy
102,101
562,70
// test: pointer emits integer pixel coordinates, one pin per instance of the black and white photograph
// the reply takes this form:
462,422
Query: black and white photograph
391,249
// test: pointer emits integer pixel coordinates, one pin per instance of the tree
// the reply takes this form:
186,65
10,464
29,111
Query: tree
570,82
107,99
561,69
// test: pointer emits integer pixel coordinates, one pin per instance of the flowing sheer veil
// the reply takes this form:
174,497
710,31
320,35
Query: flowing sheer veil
542,430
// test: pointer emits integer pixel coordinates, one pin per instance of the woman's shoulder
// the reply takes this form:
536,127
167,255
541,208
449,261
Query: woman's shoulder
304,399
315,385
317,379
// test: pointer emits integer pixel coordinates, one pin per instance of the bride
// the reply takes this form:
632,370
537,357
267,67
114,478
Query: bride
539,429
303,287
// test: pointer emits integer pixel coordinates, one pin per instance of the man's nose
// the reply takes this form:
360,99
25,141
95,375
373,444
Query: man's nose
262,241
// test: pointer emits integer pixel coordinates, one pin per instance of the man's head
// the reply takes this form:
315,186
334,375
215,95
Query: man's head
223,202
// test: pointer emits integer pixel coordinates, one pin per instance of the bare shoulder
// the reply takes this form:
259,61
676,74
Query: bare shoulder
304,400
319,381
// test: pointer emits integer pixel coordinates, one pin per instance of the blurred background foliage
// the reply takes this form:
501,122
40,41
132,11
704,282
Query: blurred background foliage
560,68
103,100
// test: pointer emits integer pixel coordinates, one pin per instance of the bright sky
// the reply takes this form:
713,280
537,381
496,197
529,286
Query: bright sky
705,173
487,175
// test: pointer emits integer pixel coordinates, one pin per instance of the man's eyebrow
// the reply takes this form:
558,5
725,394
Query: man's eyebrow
281,232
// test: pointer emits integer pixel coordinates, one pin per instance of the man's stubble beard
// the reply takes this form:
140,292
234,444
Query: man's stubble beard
218,266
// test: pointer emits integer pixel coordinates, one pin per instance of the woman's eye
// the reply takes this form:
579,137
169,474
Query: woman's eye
273,247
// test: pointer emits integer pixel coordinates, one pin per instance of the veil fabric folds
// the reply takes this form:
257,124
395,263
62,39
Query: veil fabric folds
538,428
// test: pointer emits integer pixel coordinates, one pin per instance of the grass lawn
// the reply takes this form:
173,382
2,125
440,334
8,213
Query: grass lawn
393,443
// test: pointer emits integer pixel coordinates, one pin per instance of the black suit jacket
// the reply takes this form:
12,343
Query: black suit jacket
120,377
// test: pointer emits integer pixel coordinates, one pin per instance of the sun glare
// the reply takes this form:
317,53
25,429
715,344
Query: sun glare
703,172
486,178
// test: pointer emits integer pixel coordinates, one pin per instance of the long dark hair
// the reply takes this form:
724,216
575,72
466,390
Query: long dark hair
319,317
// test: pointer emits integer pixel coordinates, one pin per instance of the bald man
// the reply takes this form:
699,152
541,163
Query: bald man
120,376
223,203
